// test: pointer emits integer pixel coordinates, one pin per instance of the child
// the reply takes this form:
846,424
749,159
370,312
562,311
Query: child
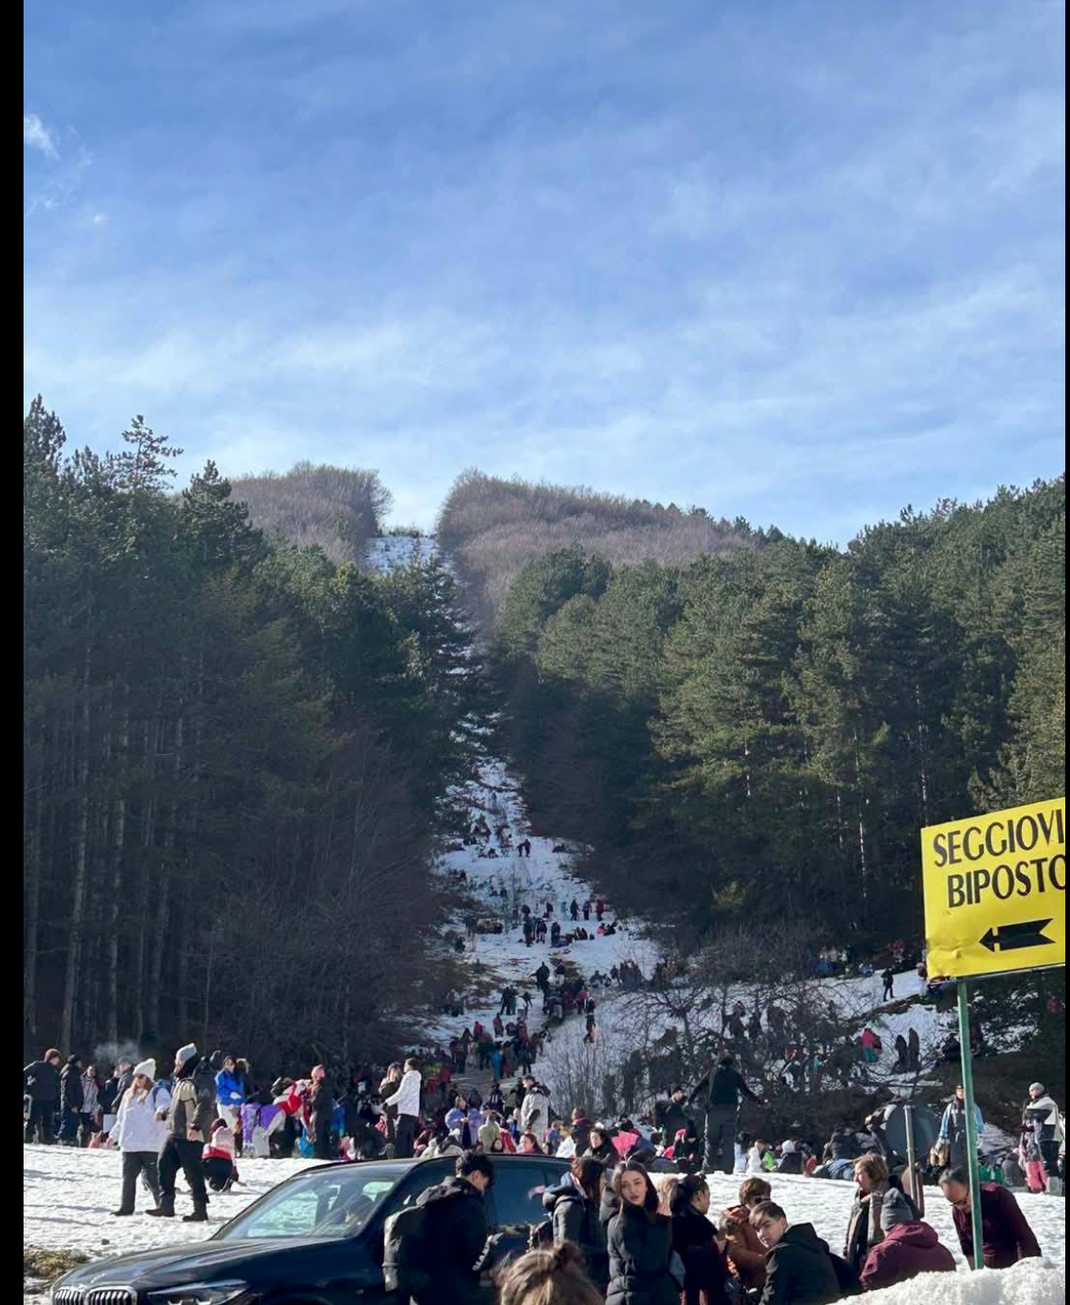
217,1158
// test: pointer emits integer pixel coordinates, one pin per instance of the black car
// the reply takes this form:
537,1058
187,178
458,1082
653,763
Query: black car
315,1239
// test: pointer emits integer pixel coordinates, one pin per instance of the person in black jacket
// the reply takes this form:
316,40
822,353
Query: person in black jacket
71,1096
189,1117
40,1080
322,1115
798,1267
694,1240
575,1217
455,1232
601,1148
640,1244
720,1090
672,1116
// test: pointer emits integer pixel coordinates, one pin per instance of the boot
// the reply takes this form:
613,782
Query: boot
165,1210
199,1215
117,1213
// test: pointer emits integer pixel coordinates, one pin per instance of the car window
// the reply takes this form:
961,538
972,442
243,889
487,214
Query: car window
325,1203
516,1196
421,1177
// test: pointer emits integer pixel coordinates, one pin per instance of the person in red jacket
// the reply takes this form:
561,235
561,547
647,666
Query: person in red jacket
1006,1236
907,1250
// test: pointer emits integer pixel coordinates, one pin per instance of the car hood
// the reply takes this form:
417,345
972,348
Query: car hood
167,1266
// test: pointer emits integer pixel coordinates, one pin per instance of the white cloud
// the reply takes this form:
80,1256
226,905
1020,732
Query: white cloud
37,136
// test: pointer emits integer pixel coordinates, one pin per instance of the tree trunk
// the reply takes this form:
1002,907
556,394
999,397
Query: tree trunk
81,838
118,832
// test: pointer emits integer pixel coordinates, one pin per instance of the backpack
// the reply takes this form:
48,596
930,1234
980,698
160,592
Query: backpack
405,1267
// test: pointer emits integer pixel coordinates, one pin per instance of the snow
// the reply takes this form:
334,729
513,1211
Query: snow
69,1195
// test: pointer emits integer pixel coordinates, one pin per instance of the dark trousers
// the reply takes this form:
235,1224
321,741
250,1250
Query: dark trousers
39,1124
324,1148
134,1163
177,1153
404,1137
89,1127
69,1125
720,1150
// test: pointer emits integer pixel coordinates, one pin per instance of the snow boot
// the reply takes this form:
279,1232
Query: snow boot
165,1210
199,1215
116,1213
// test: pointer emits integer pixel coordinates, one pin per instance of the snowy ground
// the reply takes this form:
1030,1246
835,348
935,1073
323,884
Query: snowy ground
69,1195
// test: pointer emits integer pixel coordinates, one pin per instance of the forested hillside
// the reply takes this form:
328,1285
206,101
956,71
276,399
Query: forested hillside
234,749
337,509
764,733
492,527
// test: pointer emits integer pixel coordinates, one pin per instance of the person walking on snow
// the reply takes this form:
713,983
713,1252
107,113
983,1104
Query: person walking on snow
139,1134
721,1089
407,1100
953,1127
188,1117
40,1080
888,978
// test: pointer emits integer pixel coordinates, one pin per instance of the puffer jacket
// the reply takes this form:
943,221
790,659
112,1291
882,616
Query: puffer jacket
575,1219
71,1092
535,1111
704,1264
799,1270
640,1251
229,1090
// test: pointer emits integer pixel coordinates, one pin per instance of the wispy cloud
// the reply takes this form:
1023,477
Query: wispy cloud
36,136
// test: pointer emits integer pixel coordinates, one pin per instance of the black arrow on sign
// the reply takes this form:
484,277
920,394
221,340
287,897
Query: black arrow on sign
1010,937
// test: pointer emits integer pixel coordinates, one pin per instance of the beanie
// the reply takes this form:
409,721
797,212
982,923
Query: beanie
1036,1087
183,1054
147,1067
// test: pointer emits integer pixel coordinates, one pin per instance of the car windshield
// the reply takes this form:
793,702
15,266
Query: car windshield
334,1202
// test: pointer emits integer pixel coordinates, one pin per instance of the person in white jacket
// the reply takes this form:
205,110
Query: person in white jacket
535,1108
139,1134
407,1100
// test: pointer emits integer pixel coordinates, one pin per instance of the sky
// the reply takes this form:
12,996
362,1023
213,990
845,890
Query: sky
797,262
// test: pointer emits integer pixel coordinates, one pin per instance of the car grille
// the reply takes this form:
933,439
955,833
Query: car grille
68,1296
94,1296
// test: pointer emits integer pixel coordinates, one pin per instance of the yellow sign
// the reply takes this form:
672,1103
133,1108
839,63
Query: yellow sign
995,891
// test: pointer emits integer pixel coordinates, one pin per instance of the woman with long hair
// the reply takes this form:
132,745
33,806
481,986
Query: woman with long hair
575,1216
640,1244
880,1204
138,1133
695,1241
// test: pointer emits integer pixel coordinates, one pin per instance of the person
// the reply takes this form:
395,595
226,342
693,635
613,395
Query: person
791,1158
90,1102
671,1115
40,1079
138,1134
640,1243
902,1053
407,1100
489,1131
746,1254
722,1089
1043,1114
906,1250
322,1111
217,1158
879,1205
392,1081
888,978
913,1048
188,1117
548,1277
600,1147
687,1148
229,1093
535,1108
581,1130
1006,1236
71,1097
953,1126
574,1215
108,1101
798,1266
455,1232
694,1240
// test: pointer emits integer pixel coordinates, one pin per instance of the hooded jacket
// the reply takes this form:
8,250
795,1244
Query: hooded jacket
229,1089
575,1219
799,1270
872,1217
907,1250
455,1234
535,1109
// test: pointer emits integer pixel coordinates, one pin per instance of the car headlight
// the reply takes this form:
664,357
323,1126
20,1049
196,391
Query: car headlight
200,1293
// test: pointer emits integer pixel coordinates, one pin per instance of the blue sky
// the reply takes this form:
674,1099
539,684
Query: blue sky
799,262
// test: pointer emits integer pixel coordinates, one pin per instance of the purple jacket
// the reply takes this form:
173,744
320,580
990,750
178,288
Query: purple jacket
1005,1234
907,1250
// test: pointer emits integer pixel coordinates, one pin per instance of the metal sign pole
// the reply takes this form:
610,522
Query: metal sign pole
912,1162
971,1124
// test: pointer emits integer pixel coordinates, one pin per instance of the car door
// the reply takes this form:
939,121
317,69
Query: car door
515,1198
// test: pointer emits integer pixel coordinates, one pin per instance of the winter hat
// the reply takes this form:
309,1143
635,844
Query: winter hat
1038,1088
186,1053
787,1148
147,1067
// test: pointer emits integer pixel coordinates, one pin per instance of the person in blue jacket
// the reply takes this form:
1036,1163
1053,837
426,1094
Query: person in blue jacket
953,1127
229,1091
